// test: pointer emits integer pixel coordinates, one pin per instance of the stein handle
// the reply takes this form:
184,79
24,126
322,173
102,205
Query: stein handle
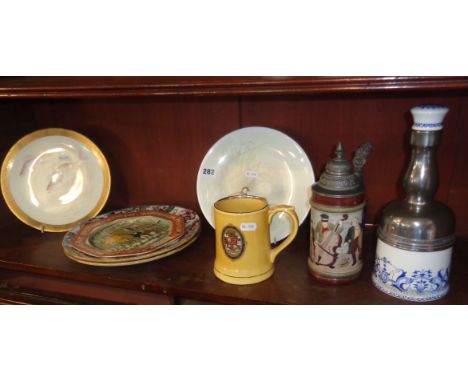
291,214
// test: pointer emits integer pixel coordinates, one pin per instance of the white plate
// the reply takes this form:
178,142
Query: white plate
266,161
53,179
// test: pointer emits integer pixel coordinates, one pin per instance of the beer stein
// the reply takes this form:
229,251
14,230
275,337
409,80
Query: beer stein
336,213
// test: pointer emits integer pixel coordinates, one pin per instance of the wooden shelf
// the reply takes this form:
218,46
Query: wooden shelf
77,87
34,262
155,131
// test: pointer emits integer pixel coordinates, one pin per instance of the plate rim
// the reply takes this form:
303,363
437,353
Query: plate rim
185,237
28,138
136,261
265,128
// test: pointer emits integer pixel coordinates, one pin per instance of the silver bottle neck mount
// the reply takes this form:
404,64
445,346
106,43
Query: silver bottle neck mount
417,223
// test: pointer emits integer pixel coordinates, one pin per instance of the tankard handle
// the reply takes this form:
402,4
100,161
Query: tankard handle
292,216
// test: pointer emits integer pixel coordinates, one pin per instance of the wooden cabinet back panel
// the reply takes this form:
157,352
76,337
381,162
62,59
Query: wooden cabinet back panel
155,145
319,122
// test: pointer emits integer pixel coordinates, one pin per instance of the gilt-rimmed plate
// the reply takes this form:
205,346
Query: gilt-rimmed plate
53,179
262,161
132,234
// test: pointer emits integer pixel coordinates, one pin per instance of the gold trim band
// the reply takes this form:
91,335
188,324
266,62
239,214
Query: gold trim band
20,144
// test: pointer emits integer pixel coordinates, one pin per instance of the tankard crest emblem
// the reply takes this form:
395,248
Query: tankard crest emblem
233,242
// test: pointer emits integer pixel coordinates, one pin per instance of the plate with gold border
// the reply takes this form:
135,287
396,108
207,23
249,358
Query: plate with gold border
53,179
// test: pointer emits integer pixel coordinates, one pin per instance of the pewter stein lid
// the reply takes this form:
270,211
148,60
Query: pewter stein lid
341,176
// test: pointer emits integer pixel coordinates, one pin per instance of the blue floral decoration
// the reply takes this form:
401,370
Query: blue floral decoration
428,125
420,281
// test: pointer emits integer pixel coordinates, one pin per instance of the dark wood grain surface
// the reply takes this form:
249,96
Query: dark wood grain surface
319,123
155,146
458,189
189,274
66,87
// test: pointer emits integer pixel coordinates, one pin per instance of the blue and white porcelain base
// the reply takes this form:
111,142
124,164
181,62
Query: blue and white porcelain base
410,275
407,296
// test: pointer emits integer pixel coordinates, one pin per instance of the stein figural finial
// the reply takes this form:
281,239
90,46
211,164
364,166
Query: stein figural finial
416,234
336,219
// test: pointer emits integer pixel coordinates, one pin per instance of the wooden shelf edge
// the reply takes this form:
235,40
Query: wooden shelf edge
38,264
150,288
86,87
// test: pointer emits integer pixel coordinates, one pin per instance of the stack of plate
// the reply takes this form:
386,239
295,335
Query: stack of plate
132,236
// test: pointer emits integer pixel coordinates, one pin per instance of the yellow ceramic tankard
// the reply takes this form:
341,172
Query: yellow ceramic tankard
243,251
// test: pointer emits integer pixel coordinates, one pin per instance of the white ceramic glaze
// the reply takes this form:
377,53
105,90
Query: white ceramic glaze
428,117
410,275
266,161
56,180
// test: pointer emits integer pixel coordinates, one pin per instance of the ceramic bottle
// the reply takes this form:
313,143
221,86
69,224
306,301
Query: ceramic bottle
416,234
